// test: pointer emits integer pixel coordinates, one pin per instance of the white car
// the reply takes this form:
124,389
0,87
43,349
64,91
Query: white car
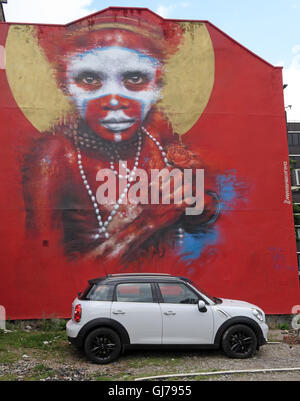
122,311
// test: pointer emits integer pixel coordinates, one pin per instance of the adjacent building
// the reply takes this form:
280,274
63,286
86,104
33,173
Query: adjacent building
293,132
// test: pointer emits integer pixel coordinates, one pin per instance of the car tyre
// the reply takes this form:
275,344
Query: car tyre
102,345
239,341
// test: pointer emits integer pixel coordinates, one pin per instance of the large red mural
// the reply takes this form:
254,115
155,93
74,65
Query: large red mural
131,143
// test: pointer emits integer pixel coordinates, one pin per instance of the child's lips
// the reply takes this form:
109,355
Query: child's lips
117,125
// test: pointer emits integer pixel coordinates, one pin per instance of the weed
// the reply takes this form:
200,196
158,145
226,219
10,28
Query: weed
284,326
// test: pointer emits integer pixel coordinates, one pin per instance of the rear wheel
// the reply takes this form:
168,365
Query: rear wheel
239,341
102,345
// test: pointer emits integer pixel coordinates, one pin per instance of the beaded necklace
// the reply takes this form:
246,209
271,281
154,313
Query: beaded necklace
113,153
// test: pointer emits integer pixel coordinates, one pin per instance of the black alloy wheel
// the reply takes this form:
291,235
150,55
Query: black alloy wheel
102,346
239,341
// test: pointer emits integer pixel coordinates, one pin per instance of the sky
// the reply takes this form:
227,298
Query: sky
269,28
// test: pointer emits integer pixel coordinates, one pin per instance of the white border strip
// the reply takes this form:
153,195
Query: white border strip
221,372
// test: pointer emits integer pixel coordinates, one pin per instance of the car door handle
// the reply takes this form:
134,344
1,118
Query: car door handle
118,312
169,313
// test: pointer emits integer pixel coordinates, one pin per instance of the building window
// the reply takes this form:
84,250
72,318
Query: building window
297,229
297,176
294,139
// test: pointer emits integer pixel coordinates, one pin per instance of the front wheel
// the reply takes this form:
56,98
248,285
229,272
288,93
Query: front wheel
102,345
239,341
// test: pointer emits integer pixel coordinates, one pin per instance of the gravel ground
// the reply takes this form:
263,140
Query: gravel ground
75,367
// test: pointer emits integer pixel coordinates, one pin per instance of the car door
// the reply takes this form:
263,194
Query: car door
134,307
183,323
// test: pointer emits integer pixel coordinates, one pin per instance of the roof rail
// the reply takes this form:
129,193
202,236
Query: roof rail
138,274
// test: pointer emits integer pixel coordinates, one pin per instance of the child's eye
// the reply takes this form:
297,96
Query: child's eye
88,79
135,81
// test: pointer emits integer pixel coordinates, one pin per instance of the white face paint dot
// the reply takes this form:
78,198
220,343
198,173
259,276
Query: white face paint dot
117,137
114,102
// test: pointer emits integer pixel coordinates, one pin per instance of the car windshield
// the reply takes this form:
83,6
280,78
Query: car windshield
213,299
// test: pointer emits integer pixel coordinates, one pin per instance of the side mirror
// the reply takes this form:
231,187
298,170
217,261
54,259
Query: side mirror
202,306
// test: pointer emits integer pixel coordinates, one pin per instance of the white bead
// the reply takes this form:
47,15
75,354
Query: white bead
90,192
97,211
116,207
97,236
106,235
113,212
109,218
166,160
93,199
106,224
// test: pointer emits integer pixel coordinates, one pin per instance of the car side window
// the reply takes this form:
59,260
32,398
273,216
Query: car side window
100,292
176,293
134,292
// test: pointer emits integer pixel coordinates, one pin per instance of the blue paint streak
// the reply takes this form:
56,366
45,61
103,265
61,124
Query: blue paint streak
228,187
229,190
193,244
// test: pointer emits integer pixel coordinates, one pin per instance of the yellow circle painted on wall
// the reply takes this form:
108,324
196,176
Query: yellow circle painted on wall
188,79
32,80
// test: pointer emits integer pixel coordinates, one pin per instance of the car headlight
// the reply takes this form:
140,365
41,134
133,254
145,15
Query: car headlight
259,314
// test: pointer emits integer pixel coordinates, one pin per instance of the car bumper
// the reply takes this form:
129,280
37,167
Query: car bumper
265,330
73,329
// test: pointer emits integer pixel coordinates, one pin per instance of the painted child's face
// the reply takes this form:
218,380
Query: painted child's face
113,89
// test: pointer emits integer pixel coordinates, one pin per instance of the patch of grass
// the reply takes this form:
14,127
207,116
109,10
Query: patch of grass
284,326
52,324
7,357
39,344
7,378
34,339
40,372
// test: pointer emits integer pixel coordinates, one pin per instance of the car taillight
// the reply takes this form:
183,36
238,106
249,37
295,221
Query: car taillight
77,313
